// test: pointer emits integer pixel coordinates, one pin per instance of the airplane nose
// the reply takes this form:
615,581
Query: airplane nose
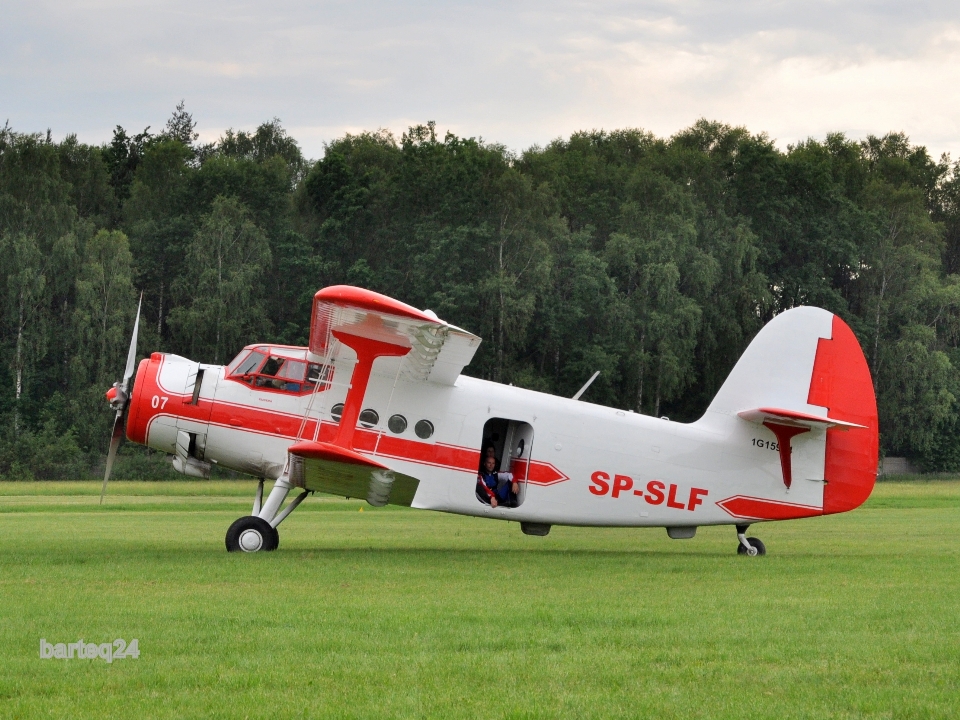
111,394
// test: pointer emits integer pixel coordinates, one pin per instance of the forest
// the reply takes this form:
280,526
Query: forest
653,260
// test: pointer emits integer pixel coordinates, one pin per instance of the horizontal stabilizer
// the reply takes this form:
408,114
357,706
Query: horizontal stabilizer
794,417
323,467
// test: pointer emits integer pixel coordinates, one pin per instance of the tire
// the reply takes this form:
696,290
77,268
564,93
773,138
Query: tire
251,534
754,542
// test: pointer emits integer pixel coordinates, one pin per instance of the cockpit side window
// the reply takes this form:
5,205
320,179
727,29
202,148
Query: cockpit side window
317,373
293,370
282,373
272,366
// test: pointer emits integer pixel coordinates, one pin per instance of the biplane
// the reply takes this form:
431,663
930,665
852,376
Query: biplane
377,407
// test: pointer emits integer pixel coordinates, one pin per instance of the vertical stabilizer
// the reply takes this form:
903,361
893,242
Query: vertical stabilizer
805,370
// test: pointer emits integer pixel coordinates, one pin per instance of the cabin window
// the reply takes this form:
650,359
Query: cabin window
397,424
336,412
423,429
369,417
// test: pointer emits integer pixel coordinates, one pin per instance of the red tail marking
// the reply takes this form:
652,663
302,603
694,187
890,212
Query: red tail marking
841,383
752,508
784,434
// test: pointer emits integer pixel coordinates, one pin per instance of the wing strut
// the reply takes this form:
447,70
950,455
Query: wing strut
367,349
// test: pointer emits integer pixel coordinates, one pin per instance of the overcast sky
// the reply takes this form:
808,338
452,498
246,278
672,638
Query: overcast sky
519,73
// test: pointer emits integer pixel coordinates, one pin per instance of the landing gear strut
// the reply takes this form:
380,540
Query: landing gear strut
258,531
749,546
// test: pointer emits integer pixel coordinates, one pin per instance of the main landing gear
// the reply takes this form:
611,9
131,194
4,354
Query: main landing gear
258,531
749,546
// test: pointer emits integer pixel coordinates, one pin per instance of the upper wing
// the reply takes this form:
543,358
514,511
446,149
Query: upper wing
385,336
438,350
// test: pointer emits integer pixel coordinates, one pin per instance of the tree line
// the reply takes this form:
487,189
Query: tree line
654,260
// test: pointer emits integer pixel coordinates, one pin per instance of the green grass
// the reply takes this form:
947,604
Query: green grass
399,613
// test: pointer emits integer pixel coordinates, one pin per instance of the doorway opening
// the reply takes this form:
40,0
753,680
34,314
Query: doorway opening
510,442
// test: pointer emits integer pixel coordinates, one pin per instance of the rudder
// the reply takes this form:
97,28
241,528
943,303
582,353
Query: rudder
841,382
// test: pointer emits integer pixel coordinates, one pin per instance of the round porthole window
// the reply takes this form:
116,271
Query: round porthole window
423,429
337,411
369,417
397,424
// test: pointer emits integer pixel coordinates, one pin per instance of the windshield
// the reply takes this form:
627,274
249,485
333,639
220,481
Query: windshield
249,364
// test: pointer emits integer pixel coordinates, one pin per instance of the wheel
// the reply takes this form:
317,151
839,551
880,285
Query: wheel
756,543
252,534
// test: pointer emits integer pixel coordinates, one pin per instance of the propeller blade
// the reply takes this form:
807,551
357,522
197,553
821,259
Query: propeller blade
123,400
132,354
114,445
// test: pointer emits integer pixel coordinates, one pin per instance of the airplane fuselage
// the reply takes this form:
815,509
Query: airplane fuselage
579,464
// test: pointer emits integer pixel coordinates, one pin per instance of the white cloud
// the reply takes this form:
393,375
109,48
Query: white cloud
518,73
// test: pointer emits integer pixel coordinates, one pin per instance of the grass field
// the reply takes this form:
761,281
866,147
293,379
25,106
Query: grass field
399,613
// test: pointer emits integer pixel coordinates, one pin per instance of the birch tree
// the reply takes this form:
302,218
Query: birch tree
221,290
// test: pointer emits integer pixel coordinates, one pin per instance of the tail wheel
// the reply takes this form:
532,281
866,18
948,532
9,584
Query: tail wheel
252,534
756,544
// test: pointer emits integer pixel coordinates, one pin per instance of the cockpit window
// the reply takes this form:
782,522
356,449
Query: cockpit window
293,370
316,372
249,364
273,366
276,372
281,373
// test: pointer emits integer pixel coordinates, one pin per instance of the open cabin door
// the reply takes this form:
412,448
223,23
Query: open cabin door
512,444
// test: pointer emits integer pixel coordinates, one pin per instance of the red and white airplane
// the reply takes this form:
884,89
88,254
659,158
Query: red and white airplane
376,407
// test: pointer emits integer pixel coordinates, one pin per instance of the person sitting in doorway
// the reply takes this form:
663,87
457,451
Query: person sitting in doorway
488,451
496,488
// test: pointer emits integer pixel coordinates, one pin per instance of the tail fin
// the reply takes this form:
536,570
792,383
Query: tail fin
806,367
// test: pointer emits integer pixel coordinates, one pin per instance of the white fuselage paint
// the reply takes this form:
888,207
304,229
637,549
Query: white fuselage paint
720,454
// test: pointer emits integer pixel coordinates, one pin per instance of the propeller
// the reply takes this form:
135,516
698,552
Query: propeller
119,397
